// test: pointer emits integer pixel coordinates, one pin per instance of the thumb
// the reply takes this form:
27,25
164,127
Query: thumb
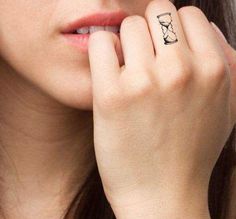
230,55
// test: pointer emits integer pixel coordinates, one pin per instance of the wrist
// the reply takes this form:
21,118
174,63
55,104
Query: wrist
164,210
169,205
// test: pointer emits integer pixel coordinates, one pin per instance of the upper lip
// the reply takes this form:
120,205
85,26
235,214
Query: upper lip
97,19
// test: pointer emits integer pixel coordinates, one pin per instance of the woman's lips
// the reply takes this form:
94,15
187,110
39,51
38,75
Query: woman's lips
96,19
101,18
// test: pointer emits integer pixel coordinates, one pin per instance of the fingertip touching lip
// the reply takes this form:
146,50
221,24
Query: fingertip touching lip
101,18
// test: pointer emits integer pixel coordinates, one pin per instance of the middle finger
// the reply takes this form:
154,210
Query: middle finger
165,27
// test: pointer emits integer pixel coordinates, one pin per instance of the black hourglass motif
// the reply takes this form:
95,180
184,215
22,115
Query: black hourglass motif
169,35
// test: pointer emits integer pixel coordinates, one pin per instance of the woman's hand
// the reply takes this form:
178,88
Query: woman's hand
162,119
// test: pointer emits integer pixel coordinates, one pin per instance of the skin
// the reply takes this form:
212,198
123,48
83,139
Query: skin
46,102
161,123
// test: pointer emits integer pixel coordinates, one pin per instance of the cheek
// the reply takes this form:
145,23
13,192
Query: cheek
20,29
19,42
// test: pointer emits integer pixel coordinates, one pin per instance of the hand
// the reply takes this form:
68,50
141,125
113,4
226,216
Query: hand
162,119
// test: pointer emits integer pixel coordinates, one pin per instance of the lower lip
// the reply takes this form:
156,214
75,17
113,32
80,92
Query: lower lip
80,41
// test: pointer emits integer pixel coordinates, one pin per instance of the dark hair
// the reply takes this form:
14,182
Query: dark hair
90,202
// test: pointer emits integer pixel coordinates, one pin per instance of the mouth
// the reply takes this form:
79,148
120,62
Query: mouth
108,21
92,29
77,32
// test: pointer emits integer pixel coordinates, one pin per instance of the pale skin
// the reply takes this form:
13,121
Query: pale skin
44,132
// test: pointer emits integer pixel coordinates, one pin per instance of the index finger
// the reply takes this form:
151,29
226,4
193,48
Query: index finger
104,63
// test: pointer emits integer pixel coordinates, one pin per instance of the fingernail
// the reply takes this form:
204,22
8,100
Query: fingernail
217,29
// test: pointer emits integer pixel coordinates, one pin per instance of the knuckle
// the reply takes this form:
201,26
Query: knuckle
216,71
143,89
180,74
130,21
178,81
190,10
152,5
109,99
179,55
139,88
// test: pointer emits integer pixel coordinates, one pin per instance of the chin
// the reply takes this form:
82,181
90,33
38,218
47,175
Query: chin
73,89
62,84
58,71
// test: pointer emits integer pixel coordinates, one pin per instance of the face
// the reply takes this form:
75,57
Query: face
32,44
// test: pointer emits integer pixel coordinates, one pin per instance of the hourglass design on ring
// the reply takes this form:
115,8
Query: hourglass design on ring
169,35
